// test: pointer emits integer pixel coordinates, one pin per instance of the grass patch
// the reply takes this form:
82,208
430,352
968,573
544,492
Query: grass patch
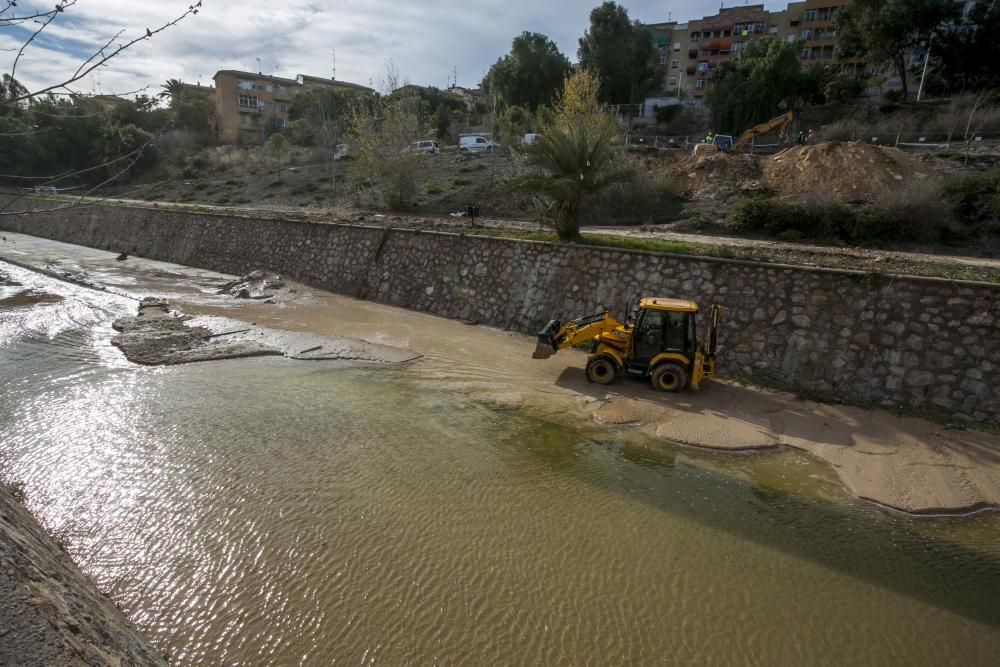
233,181
432,188
469,168
276,184
459,182
780,255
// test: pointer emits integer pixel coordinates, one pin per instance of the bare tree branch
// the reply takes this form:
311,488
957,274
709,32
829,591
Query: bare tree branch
60,8
24,18
101,56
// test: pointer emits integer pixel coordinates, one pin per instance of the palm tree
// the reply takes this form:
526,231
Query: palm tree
573,163
172,89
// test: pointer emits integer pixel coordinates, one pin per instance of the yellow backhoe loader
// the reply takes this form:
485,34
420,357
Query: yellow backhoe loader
661,344
781,122
726,144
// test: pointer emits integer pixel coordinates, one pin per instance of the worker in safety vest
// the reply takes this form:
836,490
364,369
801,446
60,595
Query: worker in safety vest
709,137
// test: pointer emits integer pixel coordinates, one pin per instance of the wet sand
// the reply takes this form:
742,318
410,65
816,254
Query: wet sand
903,463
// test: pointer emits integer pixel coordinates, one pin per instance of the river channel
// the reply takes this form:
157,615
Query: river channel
267,511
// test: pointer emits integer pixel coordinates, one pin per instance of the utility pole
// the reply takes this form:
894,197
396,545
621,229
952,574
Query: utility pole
927,60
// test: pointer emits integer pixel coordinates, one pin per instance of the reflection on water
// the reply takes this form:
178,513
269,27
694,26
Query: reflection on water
263,511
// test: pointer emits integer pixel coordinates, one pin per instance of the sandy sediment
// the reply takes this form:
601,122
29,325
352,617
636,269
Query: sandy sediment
161,335
51,614
903,463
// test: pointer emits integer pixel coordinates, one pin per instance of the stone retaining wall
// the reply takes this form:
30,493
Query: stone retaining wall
922,343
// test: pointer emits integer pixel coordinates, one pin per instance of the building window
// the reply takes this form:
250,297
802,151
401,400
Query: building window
673,81
703,67
663,58
695,36
810,15
309,86
282,91
248,101
677,46
282,107
268,87
245,85
674,64
699,84
805,54
281,123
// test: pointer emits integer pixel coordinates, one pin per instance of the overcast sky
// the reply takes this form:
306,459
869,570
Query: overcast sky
425,39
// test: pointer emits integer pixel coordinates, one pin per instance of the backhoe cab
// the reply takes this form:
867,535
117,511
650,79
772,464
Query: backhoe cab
661,344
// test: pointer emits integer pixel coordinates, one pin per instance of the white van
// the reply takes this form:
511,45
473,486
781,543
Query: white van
475,144
429,146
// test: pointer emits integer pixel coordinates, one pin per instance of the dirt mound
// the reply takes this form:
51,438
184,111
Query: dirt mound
719,175
850,172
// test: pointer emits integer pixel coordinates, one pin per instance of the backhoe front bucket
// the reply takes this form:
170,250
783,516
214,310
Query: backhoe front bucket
546,346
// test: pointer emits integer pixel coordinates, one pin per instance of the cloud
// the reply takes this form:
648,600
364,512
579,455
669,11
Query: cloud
426,40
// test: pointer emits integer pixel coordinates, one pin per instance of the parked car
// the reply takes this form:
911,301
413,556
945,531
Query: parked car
429,146
530,138
475,144
46,189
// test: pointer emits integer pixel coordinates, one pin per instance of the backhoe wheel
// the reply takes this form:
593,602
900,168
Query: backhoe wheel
602,370
670,377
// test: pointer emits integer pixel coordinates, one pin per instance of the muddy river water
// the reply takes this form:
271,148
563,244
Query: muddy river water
267,511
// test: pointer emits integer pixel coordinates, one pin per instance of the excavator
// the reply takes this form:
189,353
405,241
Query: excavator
658,341
725,143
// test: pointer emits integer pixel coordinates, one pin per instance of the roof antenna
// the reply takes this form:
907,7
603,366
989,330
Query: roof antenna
259,70
333,53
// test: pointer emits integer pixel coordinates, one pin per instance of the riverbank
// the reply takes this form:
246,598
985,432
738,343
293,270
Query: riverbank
906,464
923,344
52,614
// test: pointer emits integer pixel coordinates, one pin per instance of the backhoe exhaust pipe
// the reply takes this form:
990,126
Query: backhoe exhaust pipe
546,345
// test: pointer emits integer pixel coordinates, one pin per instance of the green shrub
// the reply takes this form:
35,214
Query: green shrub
976,200
902,217
433,188
770,216
667,114
469,168
459,182
276,184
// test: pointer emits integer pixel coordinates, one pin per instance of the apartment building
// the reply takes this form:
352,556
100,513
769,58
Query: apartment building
249,106
690,52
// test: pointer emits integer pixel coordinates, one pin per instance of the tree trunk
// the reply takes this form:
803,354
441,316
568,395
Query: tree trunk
567,222
901,70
